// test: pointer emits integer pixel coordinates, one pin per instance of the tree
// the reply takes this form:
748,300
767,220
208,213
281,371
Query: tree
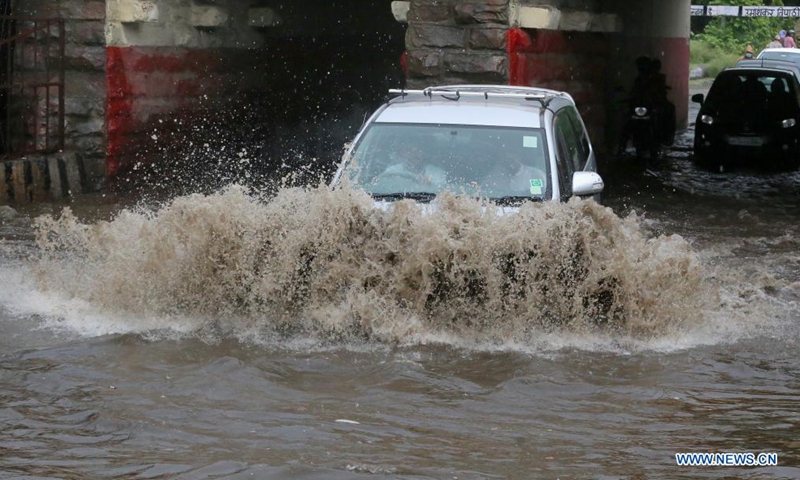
734,34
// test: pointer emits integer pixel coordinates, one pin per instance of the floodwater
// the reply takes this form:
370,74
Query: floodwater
310,336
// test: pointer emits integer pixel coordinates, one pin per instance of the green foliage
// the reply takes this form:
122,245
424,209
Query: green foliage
702,52
712,58
732,35
721,63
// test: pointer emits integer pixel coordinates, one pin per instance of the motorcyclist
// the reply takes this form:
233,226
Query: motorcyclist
650,90
639,92
789,41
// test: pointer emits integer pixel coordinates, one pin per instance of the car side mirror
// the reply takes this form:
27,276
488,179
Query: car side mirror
698,98
585,184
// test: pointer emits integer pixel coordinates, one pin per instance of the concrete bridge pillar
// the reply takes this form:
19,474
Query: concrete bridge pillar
585,47
658,29
454,41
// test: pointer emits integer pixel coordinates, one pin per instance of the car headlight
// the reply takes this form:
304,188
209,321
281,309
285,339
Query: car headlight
707,119
789,123
640,111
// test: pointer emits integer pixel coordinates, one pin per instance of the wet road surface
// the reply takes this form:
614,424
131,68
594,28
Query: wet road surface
91,390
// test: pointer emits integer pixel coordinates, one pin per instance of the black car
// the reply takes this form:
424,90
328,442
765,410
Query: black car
750,117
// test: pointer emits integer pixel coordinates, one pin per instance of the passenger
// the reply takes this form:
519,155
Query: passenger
749,53
642,85
789,41
776,42
512,178
782,35
779,100
658,82
667,120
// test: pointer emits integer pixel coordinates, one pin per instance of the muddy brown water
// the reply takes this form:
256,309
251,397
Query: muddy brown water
313,337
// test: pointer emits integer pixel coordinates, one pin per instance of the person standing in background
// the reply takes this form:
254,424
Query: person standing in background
789,41
749,52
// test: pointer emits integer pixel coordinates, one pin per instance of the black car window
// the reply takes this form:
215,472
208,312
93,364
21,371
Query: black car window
572,141
564,164
753,95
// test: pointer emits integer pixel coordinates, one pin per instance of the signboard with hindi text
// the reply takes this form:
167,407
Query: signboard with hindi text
742,11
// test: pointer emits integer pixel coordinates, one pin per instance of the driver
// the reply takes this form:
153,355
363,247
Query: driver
412,163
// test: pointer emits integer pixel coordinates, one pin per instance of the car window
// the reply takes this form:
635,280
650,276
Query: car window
577,125
565,166
759,96
575,153
493,162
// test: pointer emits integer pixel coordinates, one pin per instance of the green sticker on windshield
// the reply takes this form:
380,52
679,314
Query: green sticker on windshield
530,142
536,186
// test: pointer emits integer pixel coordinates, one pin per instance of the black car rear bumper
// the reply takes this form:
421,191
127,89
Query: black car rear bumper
766,150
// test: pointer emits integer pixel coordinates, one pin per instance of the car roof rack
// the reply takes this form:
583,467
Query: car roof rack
455,92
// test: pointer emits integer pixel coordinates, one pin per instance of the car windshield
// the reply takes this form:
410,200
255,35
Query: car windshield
424,160
755,94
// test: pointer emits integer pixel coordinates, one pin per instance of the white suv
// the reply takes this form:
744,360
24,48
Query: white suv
507,144
784,54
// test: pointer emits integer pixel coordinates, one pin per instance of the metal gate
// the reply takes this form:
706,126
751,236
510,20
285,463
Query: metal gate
31,85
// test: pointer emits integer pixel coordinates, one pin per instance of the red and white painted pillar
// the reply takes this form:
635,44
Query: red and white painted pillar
164,56
660,29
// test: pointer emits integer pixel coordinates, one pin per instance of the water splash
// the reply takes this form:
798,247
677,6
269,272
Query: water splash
327,263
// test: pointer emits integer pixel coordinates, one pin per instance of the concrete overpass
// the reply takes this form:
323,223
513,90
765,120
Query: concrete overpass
143,79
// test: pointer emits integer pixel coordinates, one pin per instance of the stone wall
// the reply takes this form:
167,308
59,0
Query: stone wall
453,41
85,85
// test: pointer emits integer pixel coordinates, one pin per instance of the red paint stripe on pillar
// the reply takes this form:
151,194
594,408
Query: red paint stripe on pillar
517,43
119,104
674,54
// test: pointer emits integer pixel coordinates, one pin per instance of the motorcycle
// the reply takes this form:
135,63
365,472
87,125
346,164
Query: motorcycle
650,126
644,130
